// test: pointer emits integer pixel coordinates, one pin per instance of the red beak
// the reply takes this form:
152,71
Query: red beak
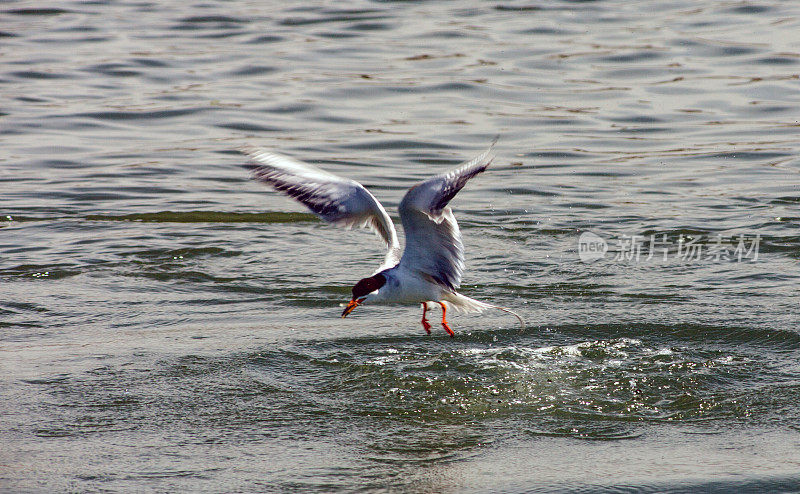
350,306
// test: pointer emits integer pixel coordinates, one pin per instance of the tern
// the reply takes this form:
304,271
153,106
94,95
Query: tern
429,269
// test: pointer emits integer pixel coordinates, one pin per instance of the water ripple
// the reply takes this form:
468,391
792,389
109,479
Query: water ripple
166,324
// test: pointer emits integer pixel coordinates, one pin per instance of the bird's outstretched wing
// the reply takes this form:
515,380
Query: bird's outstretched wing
335,199
433,240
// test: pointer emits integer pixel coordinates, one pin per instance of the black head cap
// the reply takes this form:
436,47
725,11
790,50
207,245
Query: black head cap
368,285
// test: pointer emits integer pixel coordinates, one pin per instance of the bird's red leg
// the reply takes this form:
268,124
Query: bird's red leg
444,321
425,323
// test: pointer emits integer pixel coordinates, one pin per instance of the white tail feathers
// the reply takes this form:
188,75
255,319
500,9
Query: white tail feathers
462,303
505,309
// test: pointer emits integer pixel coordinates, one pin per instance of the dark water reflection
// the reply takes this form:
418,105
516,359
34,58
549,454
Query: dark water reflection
167,325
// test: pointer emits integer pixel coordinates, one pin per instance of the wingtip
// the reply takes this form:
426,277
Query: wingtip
489,153
248,149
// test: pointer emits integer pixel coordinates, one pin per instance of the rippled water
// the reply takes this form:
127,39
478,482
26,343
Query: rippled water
168,325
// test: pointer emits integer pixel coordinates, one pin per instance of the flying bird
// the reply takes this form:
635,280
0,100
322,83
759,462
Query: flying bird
429,269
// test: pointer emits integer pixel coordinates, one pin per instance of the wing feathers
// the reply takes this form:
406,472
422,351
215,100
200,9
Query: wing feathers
433,240
336,200
456,179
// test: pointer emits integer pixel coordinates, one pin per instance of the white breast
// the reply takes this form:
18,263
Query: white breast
406,287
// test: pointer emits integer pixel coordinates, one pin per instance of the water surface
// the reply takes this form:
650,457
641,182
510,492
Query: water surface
168,325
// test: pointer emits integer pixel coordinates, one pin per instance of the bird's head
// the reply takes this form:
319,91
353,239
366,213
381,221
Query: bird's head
362,290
